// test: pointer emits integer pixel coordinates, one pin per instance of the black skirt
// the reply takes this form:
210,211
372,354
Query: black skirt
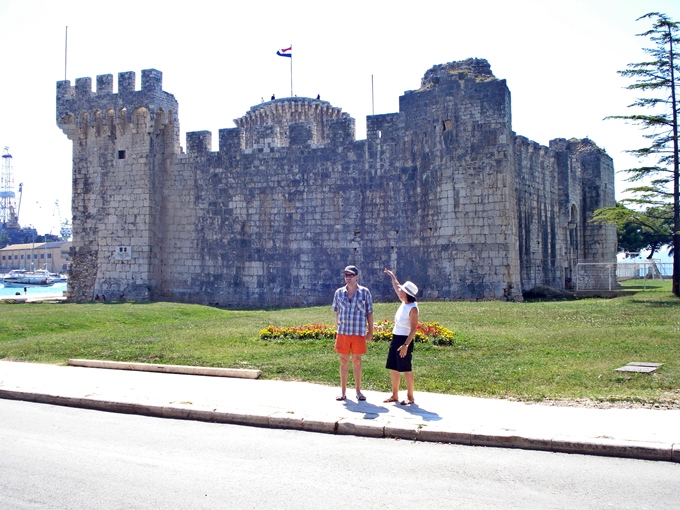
394,360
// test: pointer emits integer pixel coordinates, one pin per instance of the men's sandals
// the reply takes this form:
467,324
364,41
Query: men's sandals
360,396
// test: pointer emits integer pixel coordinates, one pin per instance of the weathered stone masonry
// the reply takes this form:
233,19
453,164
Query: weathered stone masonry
443,191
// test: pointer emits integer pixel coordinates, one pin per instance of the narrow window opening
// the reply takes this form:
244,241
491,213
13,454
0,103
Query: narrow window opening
121,154
447,125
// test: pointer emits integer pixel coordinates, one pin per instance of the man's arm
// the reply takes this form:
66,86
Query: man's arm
369,324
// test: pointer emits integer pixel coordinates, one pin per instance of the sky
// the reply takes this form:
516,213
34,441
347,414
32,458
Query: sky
560,60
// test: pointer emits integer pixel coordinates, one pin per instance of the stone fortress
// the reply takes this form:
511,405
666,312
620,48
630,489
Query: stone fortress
442,192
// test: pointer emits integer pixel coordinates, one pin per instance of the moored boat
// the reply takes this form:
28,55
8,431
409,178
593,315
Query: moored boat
23,278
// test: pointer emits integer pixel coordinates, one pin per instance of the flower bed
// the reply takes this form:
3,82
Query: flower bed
427,332
306,332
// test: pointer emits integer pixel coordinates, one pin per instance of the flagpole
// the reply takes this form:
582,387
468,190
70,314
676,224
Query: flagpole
65,52
372,98
291,71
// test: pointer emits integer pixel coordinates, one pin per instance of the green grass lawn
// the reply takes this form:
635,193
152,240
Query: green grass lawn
533,350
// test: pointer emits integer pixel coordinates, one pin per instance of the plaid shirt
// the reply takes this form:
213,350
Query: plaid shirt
352,314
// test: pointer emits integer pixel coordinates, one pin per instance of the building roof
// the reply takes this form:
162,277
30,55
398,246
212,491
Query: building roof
36,246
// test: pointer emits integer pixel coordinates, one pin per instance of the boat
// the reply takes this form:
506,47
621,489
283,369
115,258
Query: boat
55,277
22,278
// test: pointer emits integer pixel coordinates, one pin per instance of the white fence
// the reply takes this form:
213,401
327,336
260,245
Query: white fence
599,276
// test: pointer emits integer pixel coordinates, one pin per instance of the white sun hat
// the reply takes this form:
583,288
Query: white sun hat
410,288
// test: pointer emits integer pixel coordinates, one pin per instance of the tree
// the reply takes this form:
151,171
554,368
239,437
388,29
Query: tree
659,76
637,230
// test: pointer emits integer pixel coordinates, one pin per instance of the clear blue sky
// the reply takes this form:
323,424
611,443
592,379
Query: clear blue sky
560,60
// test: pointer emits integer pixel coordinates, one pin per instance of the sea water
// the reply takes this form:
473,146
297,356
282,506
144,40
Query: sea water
54,290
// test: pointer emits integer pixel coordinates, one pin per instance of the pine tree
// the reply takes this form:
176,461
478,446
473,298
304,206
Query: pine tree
659,76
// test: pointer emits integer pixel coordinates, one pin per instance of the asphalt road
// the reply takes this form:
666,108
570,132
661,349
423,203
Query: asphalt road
56,457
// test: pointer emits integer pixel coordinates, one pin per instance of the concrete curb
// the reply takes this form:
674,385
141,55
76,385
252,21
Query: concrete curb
669,452
614,448
167,369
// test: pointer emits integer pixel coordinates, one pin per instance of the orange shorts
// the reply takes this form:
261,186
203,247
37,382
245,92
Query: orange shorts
356,344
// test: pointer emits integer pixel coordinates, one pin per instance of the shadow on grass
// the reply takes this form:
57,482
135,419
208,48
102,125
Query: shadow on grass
671,303
642,287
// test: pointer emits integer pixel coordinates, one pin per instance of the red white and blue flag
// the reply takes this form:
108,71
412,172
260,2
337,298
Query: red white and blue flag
285,53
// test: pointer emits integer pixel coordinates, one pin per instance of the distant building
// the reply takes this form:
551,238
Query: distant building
53,256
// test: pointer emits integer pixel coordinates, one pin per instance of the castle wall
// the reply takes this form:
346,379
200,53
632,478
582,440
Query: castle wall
560,187
442,192
540,230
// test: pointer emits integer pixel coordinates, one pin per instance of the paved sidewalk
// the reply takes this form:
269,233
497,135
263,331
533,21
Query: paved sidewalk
634,433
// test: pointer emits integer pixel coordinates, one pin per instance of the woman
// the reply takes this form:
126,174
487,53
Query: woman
401,348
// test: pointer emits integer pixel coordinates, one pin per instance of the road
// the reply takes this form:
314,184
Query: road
56,457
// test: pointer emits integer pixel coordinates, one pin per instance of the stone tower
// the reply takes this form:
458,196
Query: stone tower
123,144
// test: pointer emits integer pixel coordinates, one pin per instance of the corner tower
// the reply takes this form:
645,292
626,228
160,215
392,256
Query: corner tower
123,144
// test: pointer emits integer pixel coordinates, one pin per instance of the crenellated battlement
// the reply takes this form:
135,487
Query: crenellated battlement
152,81
522,143
79,105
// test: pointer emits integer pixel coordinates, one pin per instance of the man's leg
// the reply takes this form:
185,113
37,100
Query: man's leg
356,364
344,372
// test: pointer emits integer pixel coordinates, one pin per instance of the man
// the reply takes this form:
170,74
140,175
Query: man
353,307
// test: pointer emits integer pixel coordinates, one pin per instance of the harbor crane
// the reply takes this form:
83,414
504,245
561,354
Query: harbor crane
9,218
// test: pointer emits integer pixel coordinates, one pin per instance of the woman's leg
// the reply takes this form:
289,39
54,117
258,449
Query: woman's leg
410,384
395,378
